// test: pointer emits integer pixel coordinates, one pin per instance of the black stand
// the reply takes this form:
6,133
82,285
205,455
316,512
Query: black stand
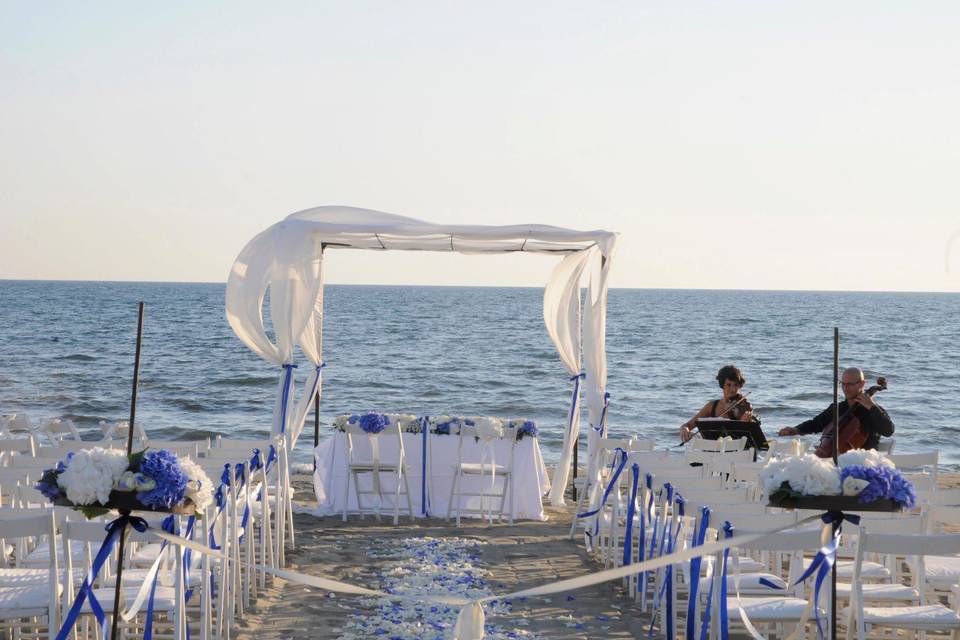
836,446
126,512
714,429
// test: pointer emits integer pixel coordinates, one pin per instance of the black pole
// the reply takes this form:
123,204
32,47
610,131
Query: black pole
133,415
576,448
316,424
836,447
136,380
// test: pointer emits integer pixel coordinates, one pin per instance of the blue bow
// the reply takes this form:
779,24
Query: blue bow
114,530
631,511
285,398
695,571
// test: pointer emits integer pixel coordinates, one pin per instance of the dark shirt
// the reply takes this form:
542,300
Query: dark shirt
876,422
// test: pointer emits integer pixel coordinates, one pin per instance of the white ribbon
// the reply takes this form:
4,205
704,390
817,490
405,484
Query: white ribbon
470,621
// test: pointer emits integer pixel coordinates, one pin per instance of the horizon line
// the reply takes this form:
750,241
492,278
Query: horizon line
496,286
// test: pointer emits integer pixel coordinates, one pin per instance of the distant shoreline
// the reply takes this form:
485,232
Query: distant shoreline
491,286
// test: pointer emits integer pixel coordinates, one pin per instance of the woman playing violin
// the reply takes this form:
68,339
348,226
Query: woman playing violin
732,405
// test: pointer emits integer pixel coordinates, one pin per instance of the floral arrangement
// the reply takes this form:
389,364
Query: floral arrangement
441,425
869,475
98,479
525,428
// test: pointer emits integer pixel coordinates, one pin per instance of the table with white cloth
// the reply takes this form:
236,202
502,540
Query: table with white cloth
529,474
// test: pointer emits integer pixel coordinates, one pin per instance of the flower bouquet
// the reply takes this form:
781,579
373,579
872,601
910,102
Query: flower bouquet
98,480
862,480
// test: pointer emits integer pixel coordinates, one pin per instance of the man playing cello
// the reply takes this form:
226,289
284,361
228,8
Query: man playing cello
873,418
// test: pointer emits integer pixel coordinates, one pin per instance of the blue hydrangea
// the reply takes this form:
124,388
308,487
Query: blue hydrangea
162,466
51,491
527,429
373,422
885,483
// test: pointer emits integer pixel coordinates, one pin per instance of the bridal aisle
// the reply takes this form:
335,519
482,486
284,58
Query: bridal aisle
479,559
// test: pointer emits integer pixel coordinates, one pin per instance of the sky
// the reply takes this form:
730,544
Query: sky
734,145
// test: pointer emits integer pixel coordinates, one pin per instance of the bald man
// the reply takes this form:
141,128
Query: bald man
872,416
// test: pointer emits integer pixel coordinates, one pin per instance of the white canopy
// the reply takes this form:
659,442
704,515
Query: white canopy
288,258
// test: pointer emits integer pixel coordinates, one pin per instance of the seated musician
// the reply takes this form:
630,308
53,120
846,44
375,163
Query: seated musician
732,405
873,417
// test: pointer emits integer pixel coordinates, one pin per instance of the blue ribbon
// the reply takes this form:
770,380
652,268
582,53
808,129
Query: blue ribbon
424,427
603,414
823,561
574,397
631,511
695,571
114,530
724,612
666,590
606,494
285,398
271,458
665,540
167,525
644,518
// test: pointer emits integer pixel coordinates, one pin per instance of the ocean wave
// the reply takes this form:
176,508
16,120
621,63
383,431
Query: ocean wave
244,381
79,357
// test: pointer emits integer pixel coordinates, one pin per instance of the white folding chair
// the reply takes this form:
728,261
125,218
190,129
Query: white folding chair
168,601
120,429
477,473
30,599
918,461
376,467
920,618
774,611
15,448
57,430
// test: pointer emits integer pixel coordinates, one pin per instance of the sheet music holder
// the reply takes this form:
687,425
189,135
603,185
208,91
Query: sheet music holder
716,428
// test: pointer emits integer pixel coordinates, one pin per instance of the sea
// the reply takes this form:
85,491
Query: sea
67,351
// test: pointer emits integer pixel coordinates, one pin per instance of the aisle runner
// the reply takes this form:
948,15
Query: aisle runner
422,567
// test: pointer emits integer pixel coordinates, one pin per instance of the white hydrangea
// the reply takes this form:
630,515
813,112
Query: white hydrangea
91,473
865,457
489,428
199,485
340,422
806,474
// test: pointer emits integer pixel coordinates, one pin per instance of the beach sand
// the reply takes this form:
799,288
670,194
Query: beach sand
519,556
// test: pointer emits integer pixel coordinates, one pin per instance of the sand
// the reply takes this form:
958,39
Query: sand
519,556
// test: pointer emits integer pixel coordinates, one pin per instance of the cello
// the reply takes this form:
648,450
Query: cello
852,434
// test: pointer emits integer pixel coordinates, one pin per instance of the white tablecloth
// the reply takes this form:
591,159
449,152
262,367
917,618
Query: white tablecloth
330,478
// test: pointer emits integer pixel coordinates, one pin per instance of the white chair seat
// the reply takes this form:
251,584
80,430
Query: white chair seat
147,554
137,576
476,467
880,591
928,617
23,577
41,554
369,466
869,570
164,599
760,609
749,583
941,570
749,565
36,596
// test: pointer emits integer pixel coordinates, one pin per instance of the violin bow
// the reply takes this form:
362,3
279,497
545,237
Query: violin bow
726,411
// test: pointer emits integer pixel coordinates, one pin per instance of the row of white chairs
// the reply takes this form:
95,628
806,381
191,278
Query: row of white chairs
247,523
488,482
867,579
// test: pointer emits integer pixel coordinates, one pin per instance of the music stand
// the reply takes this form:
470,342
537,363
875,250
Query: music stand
716,428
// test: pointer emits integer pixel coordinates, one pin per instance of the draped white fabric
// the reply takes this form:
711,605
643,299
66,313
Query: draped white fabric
311,343
287,259
595,358
561,315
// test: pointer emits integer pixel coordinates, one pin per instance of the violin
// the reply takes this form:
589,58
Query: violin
740,407
852,434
